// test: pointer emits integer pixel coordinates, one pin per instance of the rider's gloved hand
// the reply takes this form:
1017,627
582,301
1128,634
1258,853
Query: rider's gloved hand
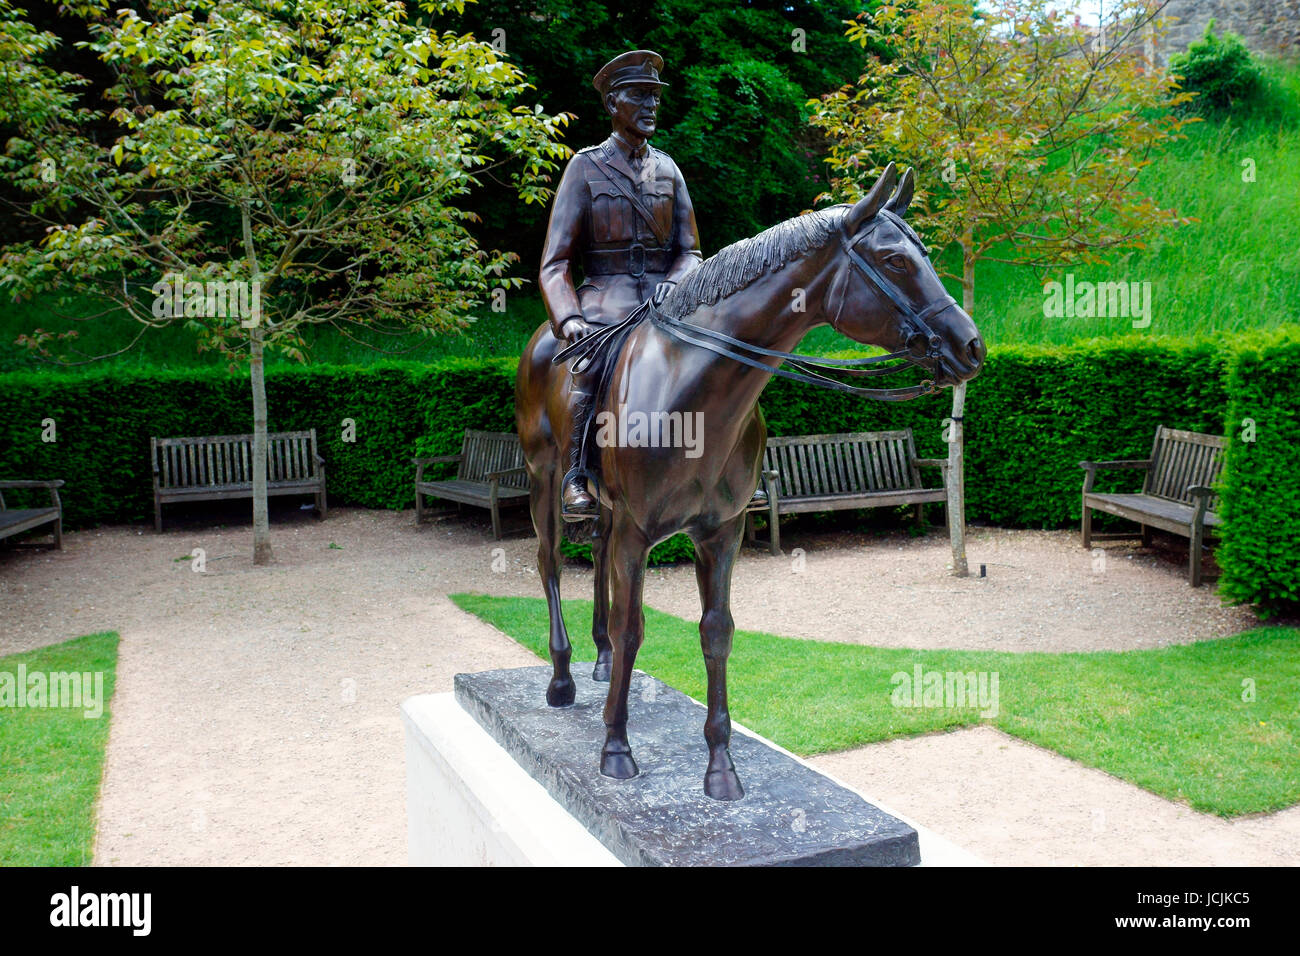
661,293
574,328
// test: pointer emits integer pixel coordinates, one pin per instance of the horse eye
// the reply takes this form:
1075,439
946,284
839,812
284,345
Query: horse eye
896,261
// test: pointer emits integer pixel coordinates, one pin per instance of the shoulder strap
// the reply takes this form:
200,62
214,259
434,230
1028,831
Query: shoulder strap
617,182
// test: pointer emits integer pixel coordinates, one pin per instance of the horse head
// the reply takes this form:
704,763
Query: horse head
888,294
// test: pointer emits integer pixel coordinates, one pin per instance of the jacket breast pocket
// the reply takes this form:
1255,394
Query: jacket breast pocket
610,213
658,196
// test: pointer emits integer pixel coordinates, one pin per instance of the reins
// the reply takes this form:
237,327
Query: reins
809,368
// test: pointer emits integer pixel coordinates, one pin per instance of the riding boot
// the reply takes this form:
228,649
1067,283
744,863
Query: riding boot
577,504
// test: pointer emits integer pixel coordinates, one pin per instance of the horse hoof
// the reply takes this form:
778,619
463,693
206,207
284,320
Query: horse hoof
560,693
620,766
723,785
604,667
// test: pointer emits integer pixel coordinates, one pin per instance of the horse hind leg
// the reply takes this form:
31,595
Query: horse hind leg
715,558
600,616
544,500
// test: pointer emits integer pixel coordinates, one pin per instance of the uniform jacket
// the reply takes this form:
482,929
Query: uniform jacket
593,221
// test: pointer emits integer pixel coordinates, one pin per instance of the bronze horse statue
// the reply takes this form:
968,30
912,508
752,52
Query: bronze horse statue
859,268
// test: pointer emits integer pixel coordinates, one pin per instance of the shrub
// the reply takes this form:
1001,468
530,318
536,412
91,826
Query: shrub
676,550
1260,554
1221,70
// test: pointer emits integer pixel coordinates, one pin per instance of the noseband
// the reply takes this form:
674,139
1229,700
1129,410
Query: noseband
914,325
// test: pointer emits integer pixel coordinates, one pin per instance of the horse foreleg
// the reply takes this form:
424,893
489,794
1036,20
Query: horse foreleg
544,500
715,557
627,554
600,617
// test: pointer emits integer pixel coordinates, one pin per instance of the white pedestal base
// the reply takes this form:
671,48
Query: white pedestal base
468,803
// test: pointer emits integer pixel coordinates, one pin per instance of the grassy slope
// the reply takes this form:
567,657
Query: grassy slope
1170,720
52,760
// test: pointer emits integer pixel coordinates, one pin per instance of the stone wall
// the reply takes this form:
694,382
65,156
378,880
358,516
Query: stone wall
1269,27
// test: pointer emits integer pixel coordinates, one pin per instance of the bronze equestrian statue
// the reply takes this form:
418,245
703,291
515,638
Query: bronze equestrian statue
706,347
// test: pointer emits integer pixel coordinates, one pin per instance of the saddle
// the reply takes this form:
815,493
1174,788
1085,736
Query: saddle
596,352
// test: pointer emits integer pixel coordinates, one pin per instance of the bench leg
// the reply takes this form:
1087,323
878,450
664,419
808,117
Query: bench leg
1194,555
920,515
1146,536
58,532
774,533
322,503
749,528
419,507
157,516
496,521
1087,526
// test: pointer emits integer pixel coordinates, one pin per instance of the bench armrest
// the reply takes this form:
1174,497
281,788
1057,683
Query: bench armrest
931,462
770,480
421,463
498,475
1118,463
31,484
53,486
1200,491
1090,468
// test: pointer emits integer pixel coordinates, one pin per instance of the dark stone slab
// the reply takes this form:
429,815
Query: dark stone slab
791,815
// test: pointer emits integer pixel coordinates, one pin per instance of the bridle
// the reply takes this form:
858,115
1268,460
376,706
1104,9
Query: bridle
914,325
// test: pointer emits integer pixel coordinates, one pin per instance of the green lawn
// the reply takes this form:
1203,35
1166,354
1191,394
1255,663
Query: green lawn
52,760
1170,720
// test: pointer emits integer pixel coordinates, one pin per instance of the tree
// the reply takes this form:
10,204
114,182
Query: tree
1031,133
747,167
274,163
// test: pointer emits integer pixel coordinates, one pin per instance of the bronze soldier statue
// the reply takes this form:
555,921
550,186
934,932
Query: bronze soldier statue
622,214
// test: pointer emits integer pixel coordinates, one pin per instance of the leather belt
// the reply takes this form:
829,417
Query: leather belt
635,260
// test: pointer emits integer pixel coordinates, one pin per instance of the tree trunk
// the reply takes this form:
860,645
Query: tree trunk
957,436
261,519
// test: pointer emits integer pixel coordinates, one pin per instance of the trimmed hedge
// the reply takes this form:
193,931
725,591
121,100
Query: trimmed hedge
1033,414
1260,554
105,418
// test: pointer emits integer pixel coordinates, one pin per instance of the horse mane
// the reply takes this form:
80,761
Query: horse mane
734,267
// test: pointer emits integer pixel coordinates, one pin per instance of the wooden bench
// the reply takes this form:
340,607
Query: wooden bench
490,474
216,467
805,473
17,520
1177,493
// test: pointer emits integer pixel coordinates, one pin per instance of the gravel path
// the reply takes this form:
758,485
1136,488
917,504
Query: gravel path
256,714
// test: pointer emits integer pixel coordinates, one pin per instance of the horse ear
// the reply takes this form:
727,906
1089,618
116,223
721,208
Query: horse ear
903,196
870,204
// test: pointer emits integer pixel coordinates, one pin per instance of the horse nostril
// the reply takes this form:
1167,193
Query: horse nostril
975,349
